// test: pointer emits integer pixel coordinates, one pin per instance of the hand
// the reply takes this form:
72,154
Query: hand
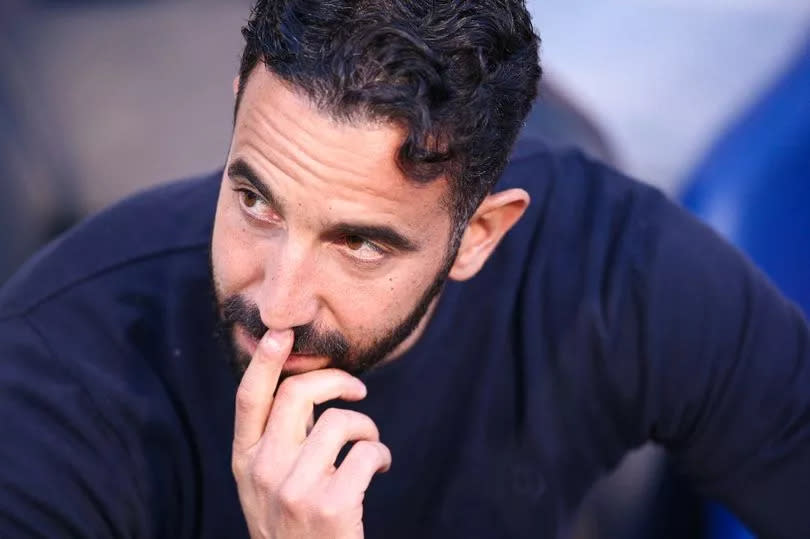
285,473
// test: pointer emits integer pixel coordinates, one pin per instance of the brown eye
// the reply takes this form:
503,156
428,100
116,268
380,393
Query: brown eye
361,249
249,199
354,242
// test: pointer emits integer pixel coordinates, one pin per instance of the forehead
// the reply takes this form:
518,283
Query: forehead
300,150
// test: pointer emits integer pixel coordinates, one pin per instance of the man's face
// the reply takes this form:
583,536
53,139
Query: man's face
317,230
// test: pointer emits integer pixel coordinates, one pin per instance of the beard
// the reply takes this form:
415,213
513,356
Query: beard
308,339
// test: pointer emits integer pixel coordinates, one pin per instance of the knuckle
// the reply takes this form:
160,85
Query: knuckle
328,509
289,389
335,418
367,449
257,477
351,424
291,498
373,451
371,426
364,424
238,467
244,400
261,476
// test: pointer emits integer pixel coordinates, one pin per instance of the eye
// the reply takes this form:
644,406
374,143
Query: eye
254,205
362,249
354,243
249,198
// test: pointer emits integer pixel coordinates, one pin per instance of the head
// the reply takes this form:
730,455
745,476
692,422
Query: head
368,136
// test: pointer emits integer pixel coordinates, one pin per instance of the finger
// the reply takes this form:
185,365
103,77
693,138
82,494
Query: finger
358,468
255,394
331,432
310,422
297,396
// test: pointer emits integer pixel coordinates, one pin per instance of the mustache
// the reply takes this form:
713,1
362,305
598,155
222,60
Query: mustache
307,340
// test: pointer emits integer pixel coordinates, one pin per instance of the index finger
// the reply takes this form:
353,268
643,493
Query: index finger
255,394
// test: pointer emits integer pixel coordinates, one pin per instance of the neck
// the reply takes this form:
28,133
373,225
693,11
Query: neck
414,337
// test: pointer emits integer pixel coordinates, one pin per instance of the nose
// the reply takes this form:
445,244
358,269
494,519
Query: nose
287,298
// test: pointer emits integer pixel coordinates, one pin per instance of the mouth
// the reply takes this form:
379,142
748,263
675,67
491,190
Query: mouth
298,363
295,362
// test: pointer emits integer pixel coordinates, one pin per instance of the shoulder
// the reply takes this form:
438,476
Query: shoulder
568,175
596,241
174,218
592,240
581,206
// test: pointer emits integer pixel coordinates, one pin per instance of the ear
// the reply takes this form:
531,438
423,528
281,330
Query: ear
236,85
493,218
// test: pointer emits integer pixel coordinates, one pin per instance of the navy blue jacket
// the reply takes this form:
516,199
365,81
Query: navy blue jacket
608,317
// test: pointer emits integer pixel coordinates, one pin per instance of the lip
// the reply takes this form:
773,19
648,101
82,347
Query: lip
294,363
297,363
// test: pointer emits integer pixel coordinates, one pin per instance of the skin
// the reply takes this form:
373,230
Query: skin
293,258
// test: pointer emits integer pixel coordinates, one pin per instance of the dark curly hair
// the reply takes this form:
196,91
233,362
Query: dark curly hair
459,75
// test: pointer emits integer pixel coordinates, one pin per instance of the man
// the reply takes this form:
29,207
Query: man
358,250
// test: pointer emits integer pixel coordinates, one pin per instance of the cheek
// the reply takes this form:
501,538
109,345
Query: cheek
372,306
236,260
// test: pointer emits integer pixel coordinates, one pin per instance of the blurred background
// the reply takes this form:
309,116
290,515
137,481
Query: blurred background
708,99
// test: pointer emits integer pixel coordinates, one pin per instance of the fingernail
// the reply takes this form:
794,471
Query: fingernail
362,387
277,339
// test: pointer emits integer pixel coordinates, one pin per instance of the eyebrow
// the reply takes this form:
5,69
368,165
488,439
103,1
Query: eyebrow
240,168
383,234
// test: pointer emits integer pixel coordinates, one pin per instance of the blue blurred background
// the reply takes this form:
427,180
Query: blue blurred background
708,99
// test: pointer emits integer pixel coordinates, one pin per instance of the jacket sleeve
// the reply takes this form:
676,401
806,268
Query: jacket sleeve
63,471
722,370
